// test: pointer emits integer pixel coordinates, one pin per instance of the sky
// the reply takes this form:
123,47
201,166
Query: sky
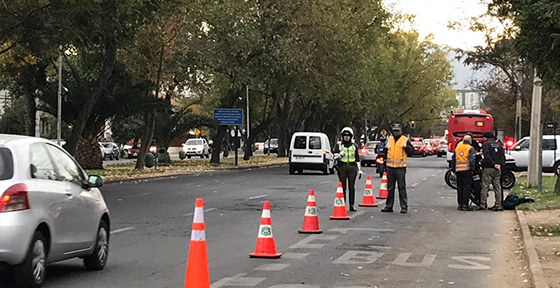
433,16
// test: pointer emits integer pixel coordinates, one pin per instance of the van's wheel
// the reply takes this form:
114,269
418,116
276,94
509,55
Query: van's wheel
300,171
98,259
326,169
292,170
557,168
189,157
31,273
331,170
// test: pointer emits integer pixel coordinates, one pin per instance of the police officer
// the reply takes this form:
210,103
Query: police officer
397,150
346,152
464,159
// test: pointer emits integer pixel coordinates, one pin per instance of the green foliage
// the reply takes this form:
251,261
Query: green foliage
13,120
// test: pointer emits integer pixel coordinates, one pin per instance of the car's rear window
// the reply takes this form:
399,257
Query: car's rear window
314,142
194,142
370,145
6,164
300,142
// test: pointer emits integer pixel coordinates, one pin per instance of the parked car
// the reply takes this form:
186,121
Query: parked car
418,145
367,153
196,147
50,210
311,151
441,149
134,151
110,150
550,154
273,147
429,148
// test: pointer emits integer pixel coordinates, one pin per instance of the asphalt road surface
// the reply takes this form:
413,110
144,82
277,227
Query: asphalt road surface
434,245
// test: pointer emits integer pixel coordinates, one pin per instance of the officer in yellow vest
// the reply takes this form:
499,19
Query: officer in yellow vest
464,161
346,152
397,150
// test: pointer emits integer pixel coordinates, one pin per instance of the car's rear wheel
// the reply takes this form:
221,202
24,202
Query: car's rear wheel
189,157
31,273
98,259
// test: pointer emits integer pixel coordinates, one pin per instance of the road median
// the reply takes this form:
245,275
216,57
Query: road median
126,171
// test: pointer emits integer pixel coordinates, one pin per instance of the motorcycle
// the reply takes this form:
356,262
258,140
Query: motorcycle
507,179
380,165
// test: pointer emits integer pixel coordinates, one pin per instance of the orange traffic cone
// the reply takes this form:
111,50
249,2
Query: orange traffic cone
368,200
265,242
197,264
383,189
310,219
339,209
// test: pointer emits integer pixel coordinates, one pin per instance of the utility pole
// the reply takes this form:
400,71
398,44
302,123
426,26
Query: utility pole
248,125
535,141
59,112
518,106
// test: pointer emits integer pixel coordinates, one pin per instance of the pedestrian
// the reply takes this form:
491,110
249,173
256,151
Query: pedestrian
494,160
346,152
464,162
397,150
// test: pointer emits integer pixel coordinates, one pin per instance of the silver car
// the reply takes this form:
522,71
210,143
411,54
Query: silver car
367,153
49,210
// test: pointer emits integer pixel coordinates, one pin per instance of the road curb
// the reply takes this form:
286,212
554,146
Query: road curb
195,173
537,274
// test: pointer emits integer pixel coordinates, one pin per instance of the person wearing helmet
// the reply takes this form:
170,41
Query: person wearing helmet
346,152
380,147
397,150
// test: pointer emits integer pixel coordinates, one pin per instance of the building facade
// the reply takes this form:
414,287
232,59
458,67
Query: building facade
469,99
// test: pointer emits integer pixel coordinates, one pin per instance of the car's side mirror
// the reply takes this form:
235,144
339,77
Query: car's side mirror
517,148
94,181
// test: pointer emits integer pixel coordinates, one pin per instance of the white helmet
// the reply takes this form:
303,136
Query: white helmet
347,130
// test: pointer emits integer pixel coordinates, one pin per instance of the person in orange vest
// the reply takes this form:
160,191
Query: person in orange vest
397,150
464,162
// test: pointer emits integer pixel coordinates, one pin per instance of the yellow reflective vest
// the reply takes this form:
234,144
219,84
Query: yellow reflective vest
396,153
462,157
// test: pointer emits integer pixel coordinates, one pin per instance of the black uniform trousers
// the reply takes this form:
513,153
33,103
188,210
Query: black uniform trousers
396,176
464,183
347,174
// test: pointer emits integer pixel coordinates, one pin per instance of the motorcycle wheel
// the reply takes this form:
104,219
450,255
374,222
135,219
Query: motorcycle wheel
508,180
451,179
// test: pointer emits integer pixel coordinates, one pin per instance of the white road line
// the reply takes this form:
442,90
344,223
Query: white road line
296,256
424,179
121,230
205,210
306,242
257,197
324,182
272,267
355,215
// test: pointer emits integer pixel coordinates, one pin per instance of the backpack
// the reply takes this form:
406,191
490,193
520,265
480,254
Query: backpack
513,200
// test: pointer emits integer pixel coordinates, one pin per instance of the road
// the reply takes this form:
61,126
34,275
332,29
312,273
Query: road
434,245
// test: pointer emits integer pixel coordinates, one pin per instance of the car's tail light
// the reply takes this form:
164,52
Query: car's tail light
379,160
14,199
363,151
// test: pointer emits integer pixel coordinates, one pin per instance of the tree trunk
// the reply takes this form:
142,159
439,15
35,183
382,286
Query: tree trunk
254,133
31,113
218,139
147,138
85,112
88,153
557,186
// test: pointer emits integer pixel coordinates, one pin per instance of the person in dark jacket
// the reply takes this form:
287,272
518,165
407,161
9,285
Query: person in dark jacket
494,160
464,162
346,153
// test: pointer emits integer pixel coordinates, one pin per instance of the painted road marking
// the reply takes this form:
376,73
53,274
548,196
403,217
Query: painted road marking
205,210
238,280
414,185
380,247
295,286
272,267
305,243
121,230
358,257
355,215
324,182
424,179
257,197
296,256
403,258
472,265
344,230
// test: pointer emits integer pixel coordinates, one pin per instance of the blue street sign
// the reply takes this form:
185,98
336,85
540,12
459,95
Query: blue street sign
228,116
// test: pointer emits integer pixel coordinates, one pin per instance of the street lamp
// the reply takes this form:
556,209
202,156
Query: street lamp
59,112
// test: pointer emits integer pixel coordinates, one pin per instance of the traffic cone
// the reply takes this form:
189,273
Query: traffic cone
383,189
197,264
265,242
310,219
368,200
339,209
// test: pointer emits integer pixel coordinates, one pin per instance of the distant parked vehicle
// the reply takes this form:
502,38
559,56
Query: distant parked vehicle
196,147
110,150
273,147
311,151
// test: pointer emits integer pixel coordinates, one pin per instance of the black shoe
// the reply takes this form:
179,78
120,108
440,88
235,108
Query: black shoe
387,210
497,209
467,208
404,211
352,208
479,208
459,207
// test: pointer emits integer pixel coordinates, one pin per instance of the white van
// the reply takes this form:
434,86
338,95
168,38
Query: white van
311,151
